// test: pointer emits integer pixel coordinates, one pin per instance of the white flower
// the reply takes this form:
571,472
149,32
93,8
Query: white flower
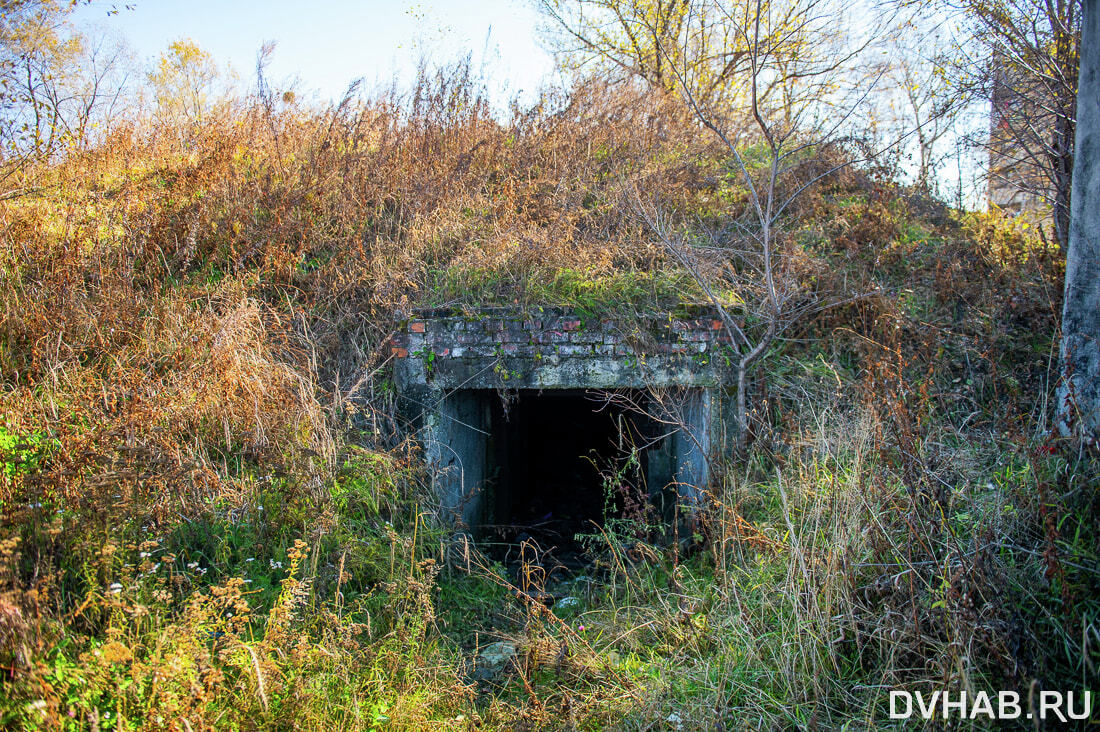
115,588
192,565
143,554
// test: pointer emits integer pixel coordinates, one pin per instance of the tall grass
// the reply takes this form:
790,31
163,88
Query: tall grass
212,517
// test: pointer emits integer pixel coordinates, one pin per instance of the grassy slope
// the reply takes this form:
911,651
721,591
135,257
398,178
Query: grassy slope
210,521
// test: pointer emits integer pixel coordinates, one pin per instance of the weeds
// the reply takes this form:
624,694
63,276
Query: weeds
212,519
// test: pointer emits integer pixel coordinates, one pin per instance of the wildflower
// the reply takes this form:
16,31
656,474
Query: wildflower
192,565
143,554
115,588
116,652
251,559
580,628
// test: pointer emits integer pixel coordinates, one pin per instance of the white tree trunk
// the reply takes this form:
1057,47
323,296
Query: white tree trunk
1079,390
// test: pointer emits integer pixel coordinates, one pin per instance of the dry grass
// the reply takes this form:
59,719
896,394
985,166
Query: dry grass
211,520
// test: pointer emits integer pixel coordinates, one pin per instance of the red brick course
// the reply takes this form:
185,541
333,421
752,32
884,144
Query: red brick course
554,333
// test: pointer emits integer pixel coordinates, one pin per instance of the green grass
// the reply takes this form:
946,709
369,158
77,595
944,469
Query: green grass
587,292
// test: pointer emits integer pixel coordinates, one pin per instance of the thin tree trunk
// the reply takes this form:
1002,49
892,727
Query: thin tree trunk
743,366
1079,390
1061,162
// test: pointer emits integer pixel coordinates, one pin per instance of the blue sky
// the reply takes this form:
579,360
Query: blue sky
328,43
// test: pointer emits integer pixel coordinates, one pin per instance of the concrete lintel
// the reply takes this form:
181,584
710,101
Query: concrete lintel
556,372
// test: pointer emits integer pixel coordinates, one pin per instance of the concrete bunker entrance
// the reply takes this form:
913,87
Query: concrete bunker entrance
561,463
547,425
553,465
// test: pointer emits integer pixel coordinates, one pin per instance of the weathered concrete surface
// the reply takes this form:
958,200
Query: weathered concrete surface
691,446
447,367
557,350
454,436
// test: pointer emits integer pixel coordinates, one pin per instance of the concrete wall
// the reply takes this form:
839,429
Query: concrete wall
558,350
445,363
692,446
455,435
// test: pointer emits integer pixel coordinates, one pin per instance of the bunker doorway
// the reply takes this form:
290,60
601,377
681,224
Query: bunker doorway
562,463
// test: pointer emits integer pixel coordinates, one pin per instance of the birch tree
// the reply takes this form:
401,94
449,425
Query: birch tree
1079,391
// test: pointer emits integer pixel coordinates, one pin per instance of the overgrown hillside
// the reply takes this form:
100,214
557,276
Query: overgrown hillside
211,517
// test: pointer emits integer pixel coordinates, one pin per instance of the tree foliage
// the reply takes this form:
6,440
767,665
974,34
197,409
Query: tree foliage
1023,56
186,83
58,87
719,50
36,57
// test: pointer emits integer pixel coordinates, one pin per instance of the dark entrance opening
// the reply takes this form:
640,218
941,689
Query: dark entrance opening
561,463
